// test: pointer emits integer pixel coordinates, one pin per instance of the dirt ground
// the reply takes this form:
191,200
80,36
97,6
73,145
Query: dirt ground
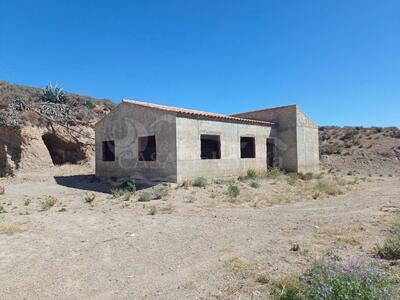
199,243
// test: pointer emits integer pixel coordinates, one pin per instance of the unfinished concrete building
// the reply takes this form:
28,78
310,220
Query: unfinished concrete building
163,143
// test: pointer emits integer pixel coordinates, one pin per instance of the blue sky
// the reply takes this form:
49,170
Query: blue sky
338,60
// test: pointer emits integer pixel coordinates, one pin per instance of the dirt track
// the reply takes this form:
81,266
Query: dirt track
115,250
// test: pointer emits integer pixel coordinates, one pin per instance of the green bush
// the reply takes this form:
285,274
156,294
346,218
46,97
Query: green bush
144,197
233,191
255,184
358,279
274,173
200,181
53,94
252,173
160,193
128,185
152,211
89,198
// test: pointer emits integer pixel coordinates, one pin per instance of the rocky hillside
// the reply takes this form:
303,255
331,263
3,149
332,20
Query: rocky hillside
40,128
371,151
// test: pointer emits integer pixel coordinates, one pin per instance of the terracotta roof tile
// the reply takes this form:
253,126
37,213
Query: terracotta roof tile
197,113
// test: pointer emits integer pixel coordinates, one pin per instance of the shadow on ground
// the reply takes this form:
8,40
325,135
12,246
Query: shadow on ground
91,183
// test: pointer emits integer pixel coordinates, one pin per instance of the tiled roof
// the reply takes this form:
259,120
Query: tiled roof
197,113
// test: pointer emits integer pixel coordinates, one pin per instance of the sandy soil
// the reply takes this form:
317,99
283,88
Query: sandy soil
200,244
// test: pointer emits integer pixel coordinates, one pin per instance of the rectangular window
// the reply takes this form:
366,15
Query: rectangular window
247,147
210,146
108,150
147,148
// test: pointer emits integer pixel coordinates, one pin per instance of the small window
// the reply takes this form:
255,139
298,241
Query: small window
108,150
247,147
147,148
210,146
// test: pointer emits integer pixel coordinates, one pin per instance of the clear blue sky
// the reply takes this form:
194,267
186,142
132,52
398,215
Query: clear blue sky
338,60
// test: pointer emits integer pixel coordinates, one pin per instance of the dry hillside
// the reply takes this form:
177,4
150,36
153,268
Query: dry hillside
35,134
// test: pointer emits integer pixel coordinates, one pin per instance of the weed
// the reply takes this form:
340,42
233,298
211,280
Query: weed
329,187
117,192
233,191
10,229
152,211
27,201
316,195
47,203
306,176
390,249
293,177
128,185
200,181
2,210
288,288
252,173
295,247
274,173
262,278
62,209
219,180
144,197
89,198
160,193
2,190
255,184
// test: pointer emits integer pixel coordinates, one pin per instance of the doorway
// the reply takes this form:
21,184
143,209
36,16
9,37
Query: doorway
271,153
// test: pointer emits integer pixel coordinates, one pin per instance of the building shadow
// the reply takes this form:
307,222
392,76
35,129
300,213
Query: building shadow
93,184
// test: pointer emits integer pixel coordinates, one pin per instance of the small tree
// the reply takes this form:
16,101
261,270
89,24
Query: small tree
54,94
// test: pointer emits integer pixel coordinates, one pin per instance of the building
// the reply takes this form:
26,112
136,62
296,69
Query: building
163,143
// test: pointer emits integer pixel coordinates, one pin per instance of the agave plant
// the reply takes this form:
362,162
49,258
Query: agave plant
54,94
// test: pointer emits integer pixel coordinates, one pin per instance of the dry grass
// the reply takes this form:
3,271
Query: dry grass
47,203
12,228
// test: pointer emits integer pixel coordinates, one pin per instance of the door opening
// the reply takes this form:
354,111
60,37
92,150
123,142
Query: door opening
271,153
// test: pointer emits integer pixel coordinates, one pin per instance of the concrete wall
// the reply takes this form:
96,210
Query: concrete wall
189,164
296,137
308,143
124,125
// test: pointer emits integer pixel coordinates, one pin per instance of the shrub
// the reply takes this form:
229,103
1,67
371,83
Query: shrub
53,94
357,280
144,197
89,198
160,193
288,288
329,187
200,181
152,211
389,250
255,184
295,247
126,196
2,190
233,191
306,176
219,180
274,173
2,210
48,203
128,185
252,173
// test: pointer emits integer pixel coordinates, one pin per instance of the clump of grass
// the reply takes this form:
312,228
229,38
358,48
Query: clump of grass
233,190
219,180
390,249
292,178
252,173
274,173
11,228
160,193
2,190
329,187
200,181
262,278
255,184
128,185
306,176
295,247
2,210
152,211
288,288
144,197
89,198
47,203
